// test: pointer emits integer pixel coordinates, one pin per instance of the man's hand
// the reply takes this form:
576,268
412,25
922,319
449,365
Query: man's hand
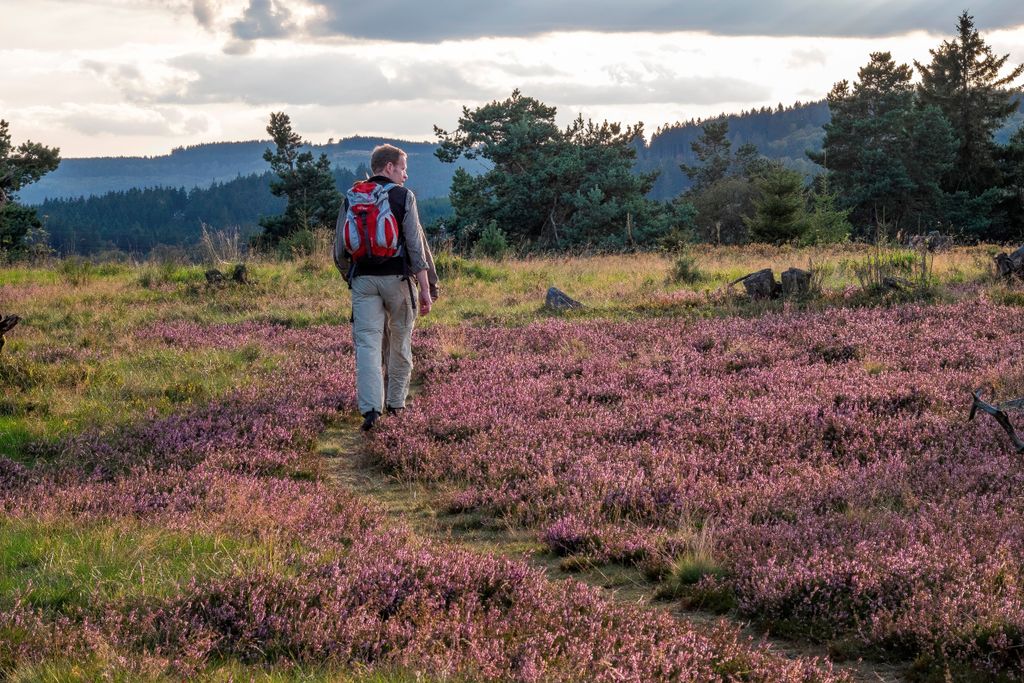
425,302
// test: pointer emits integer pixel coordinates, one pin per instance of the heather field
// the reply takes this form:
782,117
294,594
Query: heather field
169,510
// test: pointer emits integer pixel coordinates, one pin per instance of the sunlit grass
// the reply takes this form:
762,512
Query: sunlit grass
63,566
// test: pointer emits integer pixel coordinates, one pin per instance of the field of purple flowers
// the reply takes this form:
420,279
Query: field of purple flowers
814,471
184,544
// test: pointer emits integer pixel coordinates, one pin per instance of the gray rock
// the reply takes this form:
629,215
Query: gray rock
557,300
796,282
761,284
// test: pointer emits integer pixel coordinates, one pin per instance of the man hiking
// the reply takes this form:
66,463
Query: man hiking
381,250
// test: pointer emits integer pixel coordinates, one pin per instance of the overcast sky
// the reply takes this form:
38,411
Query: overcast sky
138,77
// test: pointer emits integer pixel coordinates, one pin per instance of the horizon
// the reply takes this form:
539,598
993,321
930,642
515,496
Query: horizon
313,143
115,78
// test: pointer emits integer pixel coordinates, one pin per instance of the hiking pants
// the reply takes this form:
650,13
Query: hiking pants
379,301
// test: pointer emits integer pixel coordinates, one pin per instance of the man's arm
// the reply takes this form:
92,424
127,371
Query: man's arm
415,245
341,258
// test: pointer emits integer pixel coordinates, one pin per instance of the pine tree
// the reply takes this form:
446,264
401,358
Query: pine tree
882,151
712,150
780,213
313,197
548,186
963,80
19,166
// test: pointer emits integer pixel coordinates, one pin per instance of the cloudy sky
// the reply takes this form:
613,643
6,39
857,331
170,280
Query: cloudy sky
138,77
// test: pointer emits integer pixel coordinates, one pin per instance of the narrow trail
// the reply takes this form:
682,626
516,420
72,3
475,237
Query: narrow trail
416,506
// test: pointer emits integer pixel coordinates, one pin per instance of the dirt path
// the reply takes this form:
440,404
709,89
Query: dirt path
416,506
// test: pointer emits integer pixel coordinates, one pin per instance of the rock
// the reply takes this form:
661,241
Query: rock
1009,265
896,284
760,285
557,300
796,282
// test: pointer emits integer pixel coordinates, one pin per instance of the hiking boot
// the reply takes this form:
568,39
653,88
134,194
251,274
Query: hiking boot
393,411
369,419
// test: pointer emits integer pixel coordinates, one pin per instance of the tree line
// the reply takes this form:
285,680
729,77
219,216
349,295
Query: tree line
898,157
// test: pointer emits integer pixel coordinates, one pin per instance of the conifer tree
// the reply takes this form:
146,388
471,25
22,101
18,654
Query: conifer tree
885,153
19,166
964,81
780,213
313,197
548,186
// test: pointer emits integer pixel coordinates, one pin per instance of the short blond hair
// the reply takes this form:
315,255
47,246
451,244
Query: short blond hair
382,155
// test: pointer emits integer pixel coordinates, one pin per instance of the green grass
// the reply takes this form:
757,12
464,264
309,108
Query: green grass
62,567
99,668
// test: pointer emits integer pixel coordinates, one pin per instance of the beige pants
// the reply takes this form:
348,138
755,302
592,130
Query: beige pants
382,302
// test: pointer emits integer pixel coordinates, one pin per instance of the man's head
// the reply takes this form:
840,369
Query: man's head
390,162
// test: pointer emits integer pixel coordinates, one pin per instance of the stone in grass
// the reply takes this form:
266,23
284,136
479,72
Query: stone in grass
557,300
1009,266
760,284
796,282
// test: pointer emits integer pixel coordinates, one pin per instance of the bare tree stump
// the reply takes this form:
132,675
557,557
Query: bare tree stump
7,324
557,300
796,282
240,274
760,285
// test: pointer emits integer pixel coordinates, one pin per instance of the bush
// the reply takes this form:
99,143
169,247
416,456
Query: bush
492,243
299,244
685,270
75,271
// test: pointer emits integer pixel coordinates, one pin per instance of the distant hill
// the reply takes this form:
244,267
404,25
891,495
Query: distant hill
784,134
203,165
138,219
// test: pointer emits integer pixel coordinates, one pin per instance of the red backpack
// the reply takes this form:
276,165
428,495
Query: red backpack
370,231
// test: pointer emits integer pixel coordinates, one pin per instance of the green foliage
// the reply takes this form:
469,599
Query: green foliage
1011,163
492,242
313,197
76,271
885,154
826,223
16,221
61,568
712,151
780,213
882,264
547,187
21,165
963,81
685,270
724,190
297,244
450,266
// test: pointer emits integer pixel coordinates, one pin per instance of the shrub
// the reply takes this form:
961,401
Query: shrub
492,243
685,270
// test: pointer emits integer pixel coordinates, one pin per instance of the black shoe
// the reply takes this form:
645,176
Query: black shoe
393,411
369,419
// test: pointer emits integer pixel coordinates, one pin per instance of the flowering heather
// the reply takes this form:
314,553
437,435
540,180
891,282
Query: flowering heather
825,458
347,589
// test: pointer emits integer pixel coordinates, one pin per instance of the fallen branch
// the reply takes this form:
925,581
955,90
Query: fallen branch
999,413
7,324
